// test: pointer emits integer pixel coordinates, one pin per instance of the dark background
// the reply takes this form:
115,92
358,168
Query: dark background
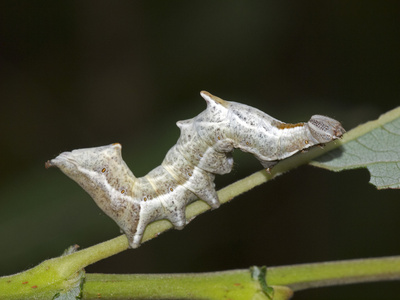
78,74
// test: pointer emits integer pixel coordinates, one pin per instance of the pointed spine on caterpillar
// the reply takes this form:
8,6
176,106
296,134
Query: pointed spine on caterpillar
187,173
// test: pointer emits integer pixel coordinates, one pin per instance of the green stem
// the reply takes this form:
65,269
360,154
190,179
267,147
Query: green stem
304,276
219,285
55,275
240,284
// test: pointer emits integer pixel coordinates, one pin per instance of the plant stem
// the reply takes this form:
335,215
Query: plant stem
239,284
304,276
219,285
54,275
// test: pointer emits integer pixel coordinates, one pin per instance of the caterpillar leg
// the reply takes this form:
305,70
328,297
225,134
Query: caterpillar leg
136,239
209,196
178,219
202,185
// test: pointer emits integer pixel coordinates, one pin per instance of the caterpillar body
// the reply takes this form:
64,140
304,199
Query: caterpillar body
187,173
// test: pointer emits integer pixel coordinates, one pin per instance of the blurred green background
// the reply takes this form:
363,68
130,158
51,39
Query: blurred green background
78,74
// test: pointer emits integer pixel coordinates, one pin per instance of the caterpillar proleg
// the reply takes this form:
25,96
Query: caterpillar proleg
187,173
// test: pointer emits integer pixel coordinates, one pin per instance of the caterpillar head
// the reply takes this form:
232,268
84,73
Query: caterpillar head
325,129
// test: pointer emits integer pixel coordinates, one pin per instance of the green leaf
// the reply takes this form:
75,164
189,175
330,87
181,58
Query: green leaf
374,145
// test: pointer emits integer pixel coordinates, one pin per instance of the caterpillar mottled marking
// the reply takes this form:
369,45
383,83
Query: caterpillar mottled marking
187,173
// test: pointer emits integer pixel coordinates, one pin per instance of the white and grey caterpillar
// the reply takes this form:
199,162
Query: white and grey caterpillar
187,173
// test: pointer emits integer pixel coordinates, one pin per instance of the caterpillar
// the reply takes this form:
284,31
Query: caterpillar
187,173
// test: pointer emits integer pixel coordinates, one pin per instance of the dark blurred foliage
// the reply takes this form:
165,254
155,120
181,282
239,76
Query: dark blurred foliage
77,74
